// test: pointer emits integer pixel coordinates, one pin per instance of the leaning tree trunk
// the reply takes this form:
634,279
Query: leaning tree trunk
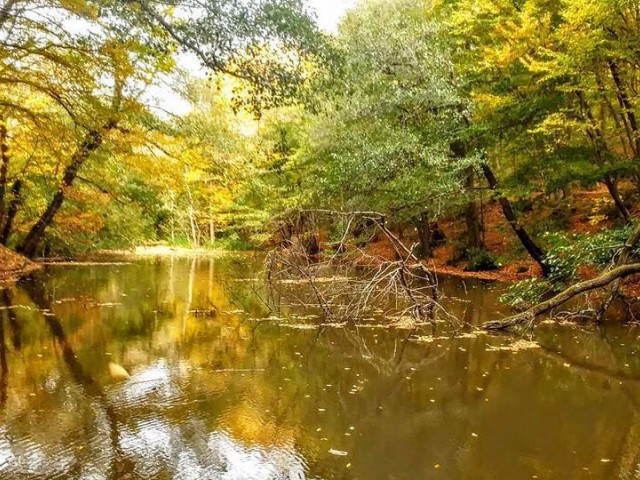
564,296
614,276
536,253
614,191
594,133
623,257
90,144
12,211
625,105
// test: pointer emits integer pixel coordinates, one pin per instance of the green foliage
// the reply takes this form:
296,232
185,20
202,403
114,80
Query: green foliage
392,114
567,254
526,293
387,117
547,79
266,44
74,109
479,260
233,242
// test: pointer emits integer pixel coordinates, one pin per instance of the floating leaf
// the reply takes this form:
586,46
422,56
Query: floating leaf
118,372
338,453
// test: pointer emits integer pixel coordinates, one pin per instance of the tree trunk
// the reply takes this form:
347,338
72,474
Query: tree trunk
192,221
612,187
424,234
90,144
472,216
621,270
625,104
212,224
14,205
599,145
173,219
4,170
564,296
530,246
623,257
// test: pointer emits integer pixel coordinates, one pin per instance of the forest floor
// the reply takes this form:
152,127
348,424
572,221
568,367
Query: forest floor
585,211
514,271
14,266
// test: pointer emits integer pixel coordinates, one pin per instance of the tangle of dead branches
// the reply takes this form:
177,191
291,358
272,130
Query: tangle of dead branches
341,278
346,282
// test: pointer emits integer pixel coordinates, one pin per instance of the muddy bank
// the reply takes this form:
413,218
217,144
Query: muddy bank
13,266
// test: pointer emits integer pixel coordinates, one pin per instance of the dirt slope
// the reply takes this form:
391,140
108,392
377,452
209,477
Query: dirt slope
13,266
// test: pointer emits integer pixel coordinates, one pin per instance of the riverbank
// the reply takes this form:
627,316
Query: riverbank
514,271
583,212
166,250
14,266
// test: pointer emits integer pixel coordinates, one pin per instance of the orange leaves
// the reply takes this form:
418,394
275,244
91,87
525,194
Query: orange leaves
74,223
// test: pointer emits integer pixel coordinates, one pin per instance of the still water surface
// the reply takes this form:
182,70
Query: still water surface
234,396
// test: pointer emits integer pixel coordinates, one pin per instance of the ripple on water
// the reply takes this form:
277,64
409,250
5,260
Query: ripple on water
152,383
186,452
236,462
25,458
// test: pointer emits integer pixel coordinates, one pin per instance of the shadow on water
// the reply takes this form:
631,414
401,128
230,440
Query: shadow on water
240,394
37,294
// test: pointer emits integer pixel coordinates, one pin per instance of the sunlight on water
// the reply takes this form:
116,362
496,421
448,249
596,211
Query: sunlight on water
238,394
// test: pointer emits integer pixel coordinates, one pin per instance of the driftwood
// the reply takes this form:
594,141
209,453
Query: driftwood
624,256
407,265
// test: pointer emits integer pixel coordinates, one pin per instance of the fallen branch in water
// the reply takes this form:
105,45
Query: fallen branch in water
405,285
623,257
563,297
620,269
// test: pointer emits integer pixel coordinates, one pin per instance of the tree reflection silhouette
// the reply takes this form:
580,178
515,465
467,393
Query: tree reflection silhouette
34,288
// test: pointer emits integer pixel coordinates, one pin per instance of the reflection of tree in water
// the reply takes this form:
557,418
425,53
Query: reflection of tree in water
598,355
227,392
38,295
4,368
8,317
145,440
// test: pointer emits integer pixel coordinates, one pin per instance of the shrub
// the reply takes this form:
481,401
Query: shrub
526,293
481,261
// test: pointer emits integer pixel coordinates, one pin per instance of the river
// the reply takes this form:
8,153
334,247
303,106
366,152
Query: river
242,393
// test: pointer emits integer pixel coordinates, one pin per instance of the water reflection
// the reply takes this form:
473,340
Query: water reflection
235,396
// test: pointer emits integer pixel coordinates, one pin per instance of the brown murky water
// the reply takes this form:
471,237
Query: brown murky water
232,397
